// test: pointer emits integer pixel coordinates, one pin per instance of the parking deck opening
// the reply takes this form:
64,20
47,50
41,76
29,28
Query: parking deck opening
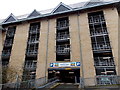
65,75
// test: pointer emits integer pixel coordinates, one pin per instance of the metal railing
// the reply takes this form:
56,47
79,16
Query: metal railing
104,61
8,43
99,31
63,37
62,24
32,52
96,19
5,53
29,75
26,85
63,52
30,65
34,30
100,82
101,46
5,63
107,80
42,83
32,41
19,85
10,34
29,84
63,49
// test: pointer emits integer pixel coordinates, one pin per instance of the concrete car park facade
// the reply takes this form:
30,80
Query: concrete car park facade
71,42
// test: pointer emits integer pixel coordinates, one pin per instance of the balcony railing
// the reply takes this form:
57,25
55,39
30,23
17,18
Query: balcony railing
33,41
8,43
96,19
62,25
104,61
30,65
34,30
101,46
5,63
63,37
63,49
31,53
10,34
106,80
98,31
63,52
5,54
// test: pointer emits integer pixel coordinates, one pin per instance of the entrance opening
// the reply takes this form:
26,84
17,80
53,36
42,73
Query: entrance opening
65,75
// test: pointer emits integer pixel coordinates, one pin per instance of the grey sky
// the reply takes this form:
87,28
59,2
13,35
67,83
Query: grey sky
20,7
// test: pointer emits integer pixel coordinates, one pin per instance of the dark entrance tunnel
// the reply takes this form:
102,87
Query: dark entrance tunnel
66,75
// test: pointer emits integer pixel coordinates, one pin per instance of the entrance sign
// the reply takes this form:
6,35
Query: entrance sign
67,64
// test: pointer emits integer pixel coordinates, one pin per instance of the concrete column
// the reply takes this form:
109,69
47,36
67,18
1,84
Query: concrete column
18,51
51,42
41,61
74,38
111,17
86,49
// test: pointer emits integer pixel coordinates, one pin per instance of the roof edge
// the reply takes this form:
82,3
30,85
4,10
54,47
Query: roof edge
46,15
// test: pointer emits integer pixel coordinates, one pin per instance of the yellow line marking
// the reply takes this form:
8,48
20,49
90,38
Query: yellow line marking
54,85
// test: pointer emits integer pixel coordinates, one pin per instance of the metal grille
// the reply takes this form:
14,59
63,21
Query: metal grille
62,24
104,61
106,80
96,19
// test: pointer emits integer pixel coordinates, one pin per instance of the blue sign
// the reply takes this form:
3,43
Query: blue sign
51,64
77,63
66,64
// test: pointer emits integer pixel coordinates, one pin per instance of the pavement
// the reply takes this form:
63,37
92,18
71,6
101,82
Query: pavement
109,87
65,86
72,86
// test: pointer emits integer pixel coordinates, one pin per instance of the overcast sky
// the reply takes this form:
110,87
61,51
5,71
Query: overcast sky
20,7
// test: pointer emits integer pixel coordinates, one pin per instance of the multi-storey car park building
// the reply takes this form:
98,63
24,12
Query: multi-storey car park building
76,43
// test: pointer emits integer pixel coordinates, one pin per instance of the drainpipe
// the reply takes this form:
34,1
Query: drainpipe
81,59
47,52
